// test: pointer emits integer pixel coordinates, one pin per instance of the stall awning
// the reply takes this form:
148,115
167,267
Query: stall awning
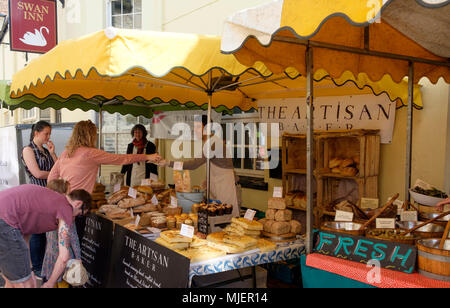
117,68
386,34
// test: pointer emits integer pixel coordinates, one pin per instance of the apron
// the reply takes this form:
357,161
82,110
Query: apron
223,187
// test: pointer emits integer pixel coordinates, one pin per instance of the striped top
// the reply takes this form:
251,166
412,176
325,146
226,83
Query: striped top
45,162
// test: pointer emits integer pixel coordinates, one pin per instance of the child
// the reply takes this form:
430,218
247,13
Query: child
52,249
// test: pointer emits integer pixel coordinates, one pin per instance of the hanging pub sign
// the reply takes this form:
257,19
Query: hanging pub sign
332,113
33,25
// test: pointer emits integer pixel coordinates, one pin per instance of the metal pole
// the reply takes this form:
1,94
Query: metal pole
409,129
100,134
309,148
208,137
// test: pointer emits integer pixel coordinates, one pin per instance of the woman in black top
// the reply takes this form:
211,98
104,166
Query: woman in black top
38,161
140,145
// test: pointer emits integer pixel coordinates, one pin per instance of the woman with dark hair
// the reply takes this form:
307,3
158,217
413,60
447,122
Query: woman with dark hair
139,171
38,161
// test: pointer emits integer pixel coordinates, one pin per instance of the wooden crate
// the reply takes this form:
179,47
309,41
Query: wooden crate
362,145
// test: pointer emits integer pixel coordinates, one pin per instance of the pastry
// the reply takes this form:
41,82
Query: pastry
283,215
199,254
198,242
248,224
215,240
277,203
242,241
335,162
172,246
171,222
228,209
349,171
265,245
346,163
174,237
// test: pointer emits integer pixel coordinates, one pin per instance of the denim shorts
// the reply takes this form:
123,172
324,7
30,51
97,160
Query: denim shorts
14,254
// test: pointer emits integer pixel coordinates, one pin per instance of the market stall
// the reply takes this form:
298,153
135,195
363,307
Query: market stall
372,40
186,68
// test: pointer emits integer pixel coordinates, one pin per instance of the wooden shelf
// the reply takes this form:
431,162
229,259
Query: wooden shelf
295,208
336,175
296,171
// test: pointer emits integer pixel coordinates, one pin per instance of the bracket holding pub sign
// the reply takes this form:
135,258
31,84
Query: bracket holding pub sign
33,25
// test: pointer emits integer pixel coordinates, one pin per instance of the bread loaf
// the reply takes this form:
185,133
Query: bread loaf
117,196
334,162
131,202
300,201
277,203
280,227
349,171
268,225
270,214
296,227
290,198
283,215
346,163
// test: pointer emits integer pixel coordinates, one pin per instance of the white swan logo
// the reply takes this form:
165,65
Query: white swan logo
36,38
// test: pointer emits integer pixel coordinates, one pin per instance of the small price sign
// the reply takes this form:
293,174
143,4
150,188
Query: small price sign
278,192
250,214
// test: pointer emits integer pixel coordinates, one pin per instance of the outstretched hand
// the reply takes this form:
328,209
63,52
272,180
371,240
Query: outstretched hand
154,158
441,204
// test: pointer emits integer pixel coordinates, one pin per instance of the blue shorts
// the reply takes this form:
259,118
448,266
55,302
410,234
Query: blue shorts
14,254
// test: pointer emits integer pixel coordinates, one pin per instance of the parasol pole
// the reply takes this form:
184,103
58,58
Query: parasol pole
309,148
409,129
208,136
100,133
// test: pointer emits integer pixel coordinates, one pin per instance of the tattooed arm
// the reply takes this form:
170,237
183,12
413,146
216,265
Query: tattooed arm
63,256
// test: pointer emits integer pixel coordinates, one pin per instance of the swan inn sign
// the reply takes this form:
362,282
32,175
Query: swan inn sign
33,25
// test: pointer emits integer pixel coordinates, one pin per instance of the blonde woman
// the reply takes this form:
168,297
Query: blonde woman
79,163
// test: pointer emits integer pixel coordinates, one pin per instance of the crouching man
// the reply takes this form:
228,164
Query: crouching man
31,209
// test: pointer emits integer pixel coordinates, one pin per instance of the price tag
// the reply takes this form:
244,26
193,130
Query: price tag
343,216
399,205
153,177
155,200
370,203
278,192
250,214
132,193
138,219
385,223
178,166
408,216
173,202
117,188
187,231
132,214
146,182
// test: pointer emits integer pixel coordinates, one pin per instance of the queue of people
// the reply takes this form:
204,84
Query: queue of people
41,221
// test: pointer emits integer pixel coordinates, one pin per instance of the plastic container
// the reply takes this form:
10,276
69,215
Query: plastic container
186,200
424,199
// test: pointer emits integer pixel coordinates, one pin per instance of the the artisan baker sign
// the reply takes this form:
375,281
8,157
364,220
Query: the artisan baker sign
33,25
96,250
390,255
141,263
332,113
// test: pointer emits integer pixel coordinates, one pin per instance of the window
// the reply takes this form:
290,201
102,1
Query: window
249,145
126,14
45,115
117,131
29,114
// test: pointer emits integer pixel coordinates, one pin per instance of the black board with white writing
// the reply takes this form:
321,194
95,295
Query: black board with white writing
96,249
389,255
203,223
138,262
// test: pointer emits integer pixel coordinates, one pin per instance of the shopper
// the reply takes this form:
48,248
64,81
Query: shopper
38,161
52,249
31,209
136,172
80,162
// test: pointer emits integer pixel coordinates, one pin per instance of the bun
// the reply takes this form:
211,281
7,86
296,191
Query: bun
334,162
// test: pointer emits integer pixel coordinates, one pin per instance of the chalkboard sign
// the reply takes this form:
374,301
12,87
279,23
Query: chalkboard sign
96,249
203,221
138,262
390,255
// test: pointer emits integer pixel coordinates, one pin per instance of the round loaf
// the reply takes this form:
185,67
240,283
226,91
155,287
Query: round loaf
268,225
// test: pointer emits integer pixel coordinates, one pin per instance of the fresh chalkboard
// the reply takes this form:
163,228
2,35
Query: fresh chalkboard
203,223
390,255
138,262
96,249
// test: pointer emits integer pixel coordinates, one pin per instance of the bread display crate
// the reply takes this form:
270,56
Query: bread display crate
347,160
294,165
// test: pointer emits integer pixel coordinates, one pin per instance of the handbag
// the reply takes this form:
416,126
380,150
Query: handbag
76,274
